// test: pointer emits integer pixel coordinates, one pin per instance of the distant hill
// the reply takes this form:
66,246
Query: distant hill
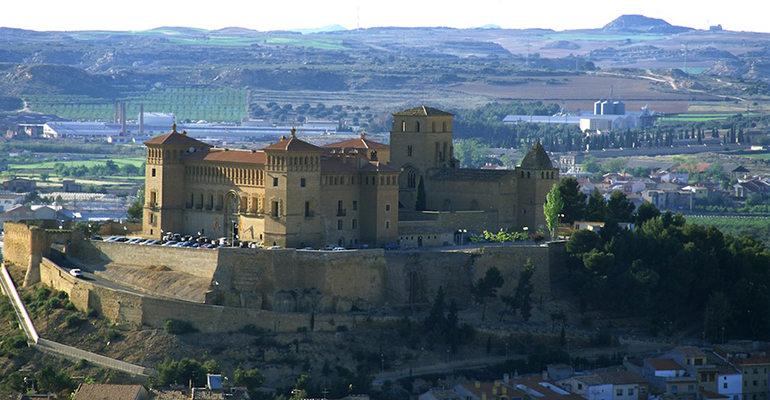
640,23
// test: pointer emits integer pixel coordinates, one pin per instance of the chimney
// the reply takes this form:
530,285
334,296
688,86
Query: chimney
122,118
141,119
506,377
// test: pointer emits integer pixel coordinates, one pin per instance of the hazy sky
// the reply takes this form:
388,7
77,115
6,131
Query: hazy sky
739,15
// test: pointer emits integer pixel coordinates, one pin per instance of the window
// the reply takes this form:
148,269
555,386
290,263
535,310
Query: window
580,386
724,385
411,179
275,181
387,207
630,391
690,388
152,218
354,225
355,205
409,150
339,224
403,126
274,209
153,198
153,172
619,392
302,182
307,208
387,224
755,383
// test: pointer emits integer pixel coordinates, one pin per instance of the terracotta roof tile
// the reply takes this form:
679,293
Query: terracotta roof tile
175,138
358,143
664,364
334,165
99,391
292,144
228,155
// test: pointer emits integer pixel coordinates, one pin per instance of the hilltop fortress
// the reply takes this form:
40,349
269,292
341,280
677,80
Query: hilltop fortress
351,193
293,193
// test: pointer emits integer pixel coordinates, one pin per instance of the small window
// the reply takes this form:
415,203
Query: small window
275,181
630,391
355,205
153,172
724,385
302,182
387,224
339,224
387,207
619,392
354,225
409,151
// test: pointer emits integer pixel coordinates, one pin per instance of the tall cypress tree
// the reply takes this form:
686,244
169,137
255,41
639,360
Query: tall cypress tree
421,201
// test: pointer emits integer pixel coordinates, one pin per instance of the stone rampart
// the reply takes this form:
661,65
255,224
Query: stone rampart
201,263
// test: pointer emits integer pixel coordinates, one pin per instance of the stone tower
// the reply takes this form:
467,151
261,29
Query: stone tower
536,176
164,182
292,193
421,139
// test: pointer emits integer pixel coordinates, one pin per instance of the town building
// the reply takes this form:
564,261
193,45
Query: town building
351,193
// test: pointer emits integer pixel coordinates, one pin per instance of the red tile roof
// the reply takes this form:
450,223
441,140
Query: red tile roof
360,143
102,391
176,138
228,155
292,144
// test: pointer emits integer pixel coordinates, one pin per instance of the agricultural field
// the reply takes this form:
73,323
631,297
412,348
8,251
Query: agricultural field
737,225
188,103
700,117
49,165
581,91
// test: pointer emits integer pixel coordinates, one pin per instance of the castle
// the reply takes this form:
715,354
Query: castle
353,193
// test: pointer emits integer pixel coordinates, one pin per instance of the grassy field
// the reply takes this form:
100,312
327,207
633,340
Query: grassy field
737,225
137,162
193,103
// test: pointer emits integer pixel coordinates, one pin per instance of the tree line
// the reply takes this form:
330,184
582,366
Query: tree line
667,270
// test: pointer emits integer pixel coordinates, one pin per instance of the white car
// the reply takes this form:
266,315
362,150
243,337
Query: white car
275,248
76,272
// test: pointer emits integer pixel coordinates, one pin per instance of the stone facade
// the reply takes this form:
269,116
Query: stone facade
295,194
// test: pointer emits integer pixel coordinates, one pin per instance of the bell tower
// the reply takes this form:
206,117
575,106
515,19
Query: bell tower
535,178
164,182
420,140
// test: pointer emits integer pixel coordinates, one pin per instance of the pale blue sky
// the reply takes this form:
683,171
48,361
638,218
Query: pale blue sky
739,15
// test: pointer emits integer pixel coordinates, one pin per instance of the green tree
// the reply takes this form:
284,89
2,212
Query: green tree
595,207
524,290
435,320
49,379
472,153
552,209
135,211
619,208
646,212
590,164
574,200
486,287
421,201
251,378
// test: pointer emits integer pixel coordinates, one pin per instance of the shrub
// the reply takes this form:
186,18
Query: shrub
73,320
111,334
43,293
177,327
92,313
251,329
54,302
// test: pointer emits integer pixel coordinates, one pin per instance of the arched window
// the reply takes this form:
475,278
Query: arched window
403,126
528,175
411,179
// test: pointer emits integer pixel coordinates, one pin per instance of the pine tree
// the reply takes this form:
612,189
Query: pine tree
420,202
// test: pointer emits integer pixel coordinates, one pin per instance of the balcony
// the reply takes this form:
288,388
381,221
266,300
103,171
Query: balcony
198,206
188,205
309,214
341,212
218,208
209,208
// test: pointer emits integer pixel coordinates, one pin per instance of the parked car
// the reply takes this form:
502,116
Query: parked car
275,248
76,272
392,246
339,248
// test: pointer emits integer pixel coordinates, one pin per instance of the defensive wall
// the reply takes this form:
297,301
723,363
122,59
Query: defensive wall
133,310
281,289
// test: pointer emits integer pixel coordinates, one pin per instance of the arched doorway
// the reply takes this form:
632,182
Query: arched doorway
232,214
